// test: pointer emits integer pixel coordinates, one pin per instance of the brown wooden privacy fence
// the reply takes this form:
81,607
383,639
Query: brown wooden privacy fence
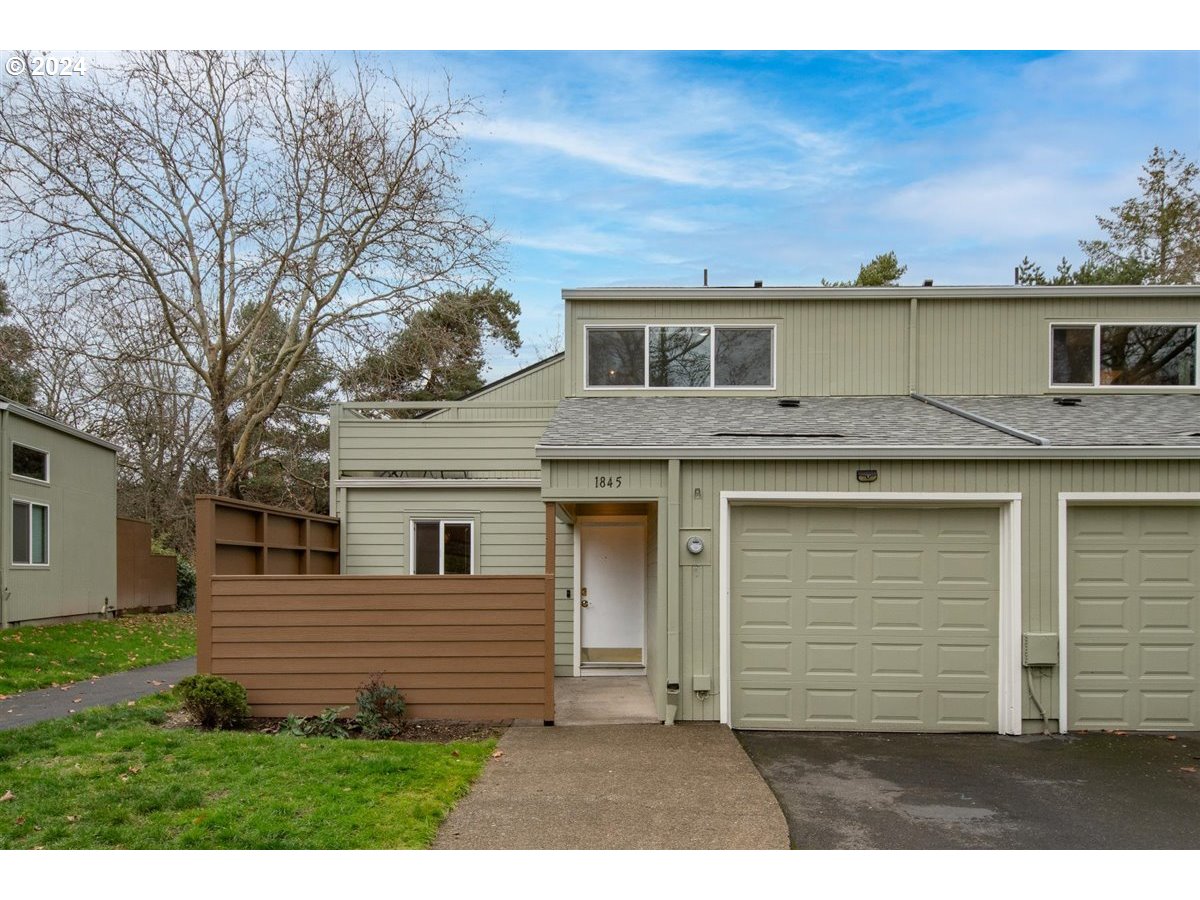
145,579
458,646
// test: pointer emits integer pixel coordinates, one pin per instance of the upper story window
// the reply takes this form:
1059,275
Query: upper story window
30,463
1123,355
681,356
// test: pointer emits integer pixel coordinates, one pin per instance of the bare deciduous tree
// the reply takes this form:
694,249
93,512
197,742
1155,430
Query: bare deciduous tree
216,194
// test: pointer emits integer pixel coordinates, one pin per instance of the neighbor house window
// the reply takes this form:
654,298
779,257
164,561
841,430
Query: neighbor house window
30,463
442,547
681,356
30,533
1123,355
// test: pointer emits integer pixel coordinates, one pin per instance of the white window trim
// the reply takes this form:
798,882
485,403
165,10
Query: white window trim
1009,644
1066,500
712,356
27,478
442,523
1095,385
11,555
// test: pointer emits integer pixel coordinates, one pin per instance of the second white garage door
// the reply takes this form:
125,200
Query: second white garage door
864,618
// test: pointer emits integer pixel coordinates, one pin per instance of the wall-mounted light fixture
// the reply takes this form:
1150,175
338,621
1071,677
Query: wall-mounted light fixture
867,476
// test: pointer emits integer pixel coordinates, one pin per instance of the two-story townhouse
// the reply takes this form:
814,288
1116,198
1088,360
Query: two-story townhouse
875,509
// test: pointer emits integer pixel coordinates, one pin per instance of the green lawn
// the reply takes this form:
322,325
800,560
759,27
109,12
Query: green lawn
40,656
114,778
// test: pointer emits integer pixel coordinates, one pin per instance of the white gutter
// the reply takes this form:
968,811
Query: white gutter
901,293
843,451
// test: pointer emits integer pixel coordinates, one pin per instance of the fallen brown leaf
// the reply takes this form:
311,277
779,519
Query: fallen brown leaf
77,700
1181,769
6,796
155,682
130,703
1171,737
454,753
497,754
19,820
72,818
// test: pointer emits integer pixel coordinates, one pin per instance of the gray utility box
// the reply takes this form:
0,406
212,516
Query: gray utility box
1039,649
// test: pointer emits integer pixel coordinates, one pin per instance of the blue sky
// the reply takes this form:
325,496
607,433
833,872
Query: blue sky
642,168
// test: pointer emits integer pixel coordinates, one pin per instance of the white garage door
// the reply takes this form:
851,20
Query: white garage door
1133,575
864,618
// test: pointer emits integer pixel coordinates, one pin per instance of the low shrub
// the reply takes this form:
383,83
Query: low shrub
327,724
380,708
213,701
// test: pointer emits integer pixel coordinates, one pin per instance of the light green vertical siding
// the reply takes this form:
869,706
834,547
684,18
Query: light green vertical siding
1003,347
564,608
847,347
82,499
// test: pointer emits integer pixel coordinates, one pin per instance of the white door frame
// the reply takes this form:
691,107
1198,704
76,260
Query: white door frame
577,572
1093,498
1009,504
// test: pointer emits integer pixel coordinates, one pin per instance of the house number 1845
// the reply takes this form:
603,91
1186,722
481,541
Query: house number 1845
608,481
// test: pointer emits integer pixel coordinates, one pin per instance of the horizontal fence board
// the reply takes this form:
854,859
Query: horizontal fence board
462,711
371,633
381,665
331,696
337,619
412,681
398,585
288,604
350,650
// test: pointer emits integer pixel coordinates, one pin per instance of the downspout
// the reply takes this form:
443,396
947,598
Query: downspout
673,634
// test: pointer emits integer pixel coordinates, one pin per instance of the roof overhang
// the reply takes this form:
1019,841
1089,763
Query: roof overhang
904,292
866,451
25,412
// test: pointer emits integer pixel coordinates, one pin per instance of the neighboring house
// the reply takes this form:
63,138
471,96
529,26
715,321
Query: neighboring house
870,509
58,508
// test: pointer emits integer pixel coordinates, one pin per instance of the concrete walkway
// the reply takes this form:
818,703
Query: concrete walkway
604,700
57,702
617,787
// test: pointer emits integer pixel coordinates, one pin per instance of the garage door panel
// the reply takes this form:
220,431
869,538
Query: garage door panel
894,620
1163,614
1132,615
898,613
831,612
765,611
975,614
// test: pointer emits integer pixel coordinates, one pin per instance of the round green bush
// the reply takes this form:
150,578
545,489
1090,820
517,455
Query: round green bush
213,701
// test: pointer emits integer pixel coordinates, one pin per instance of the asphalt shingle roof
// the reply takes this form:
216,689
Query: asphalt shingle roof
743,423
747,422
1109,420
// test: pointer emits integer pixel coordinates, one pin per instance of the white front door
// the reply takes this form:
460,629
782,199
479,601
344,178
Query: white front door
612,602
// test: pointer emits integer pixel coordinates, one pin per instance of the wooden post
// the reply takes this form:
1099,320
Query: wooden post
206,550
551,561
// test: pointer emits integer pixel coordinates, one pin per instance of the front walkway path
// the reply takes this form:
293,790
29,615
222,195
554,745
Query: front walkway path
617,787
57,702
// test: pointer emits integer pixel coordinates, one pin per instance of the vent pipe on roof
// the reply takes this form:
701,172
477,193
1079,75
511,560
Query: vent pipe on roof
706,277
758,284
928,282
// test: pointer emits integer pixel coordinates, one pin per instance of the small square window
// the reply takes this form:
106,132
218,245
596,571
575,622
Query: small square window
442,547
1074,352
30,463
616,357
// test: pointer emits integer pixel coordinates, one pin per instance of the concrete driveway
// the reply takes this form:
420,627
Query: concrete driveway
913,791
